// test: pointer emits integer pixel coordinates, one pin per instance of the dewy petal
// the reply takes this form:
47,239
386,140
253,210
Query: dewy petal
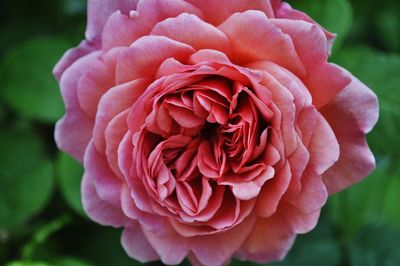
73,131
351,115
189,29
97,209
145,56
136,244
323,80
264,41
217,11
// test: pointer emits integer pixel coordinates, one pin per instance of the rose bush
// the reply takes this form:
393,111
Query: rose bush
210,129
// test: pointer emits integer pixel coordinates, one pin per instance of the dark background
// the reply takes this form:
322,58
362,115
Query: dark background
41,218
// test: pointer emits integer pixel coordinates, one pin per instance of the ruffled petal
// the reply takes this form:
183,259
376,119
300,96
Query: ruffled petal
136,244
217,11
145,56
352,114
73,131
264,41
189,29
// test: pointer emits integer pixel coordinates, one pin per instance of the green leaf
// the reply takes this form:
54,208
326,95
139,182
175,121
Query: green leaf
361,204
390,211
375,246
42,235
28,85
69,176
28,263
381,73
26,177
334,15
71,262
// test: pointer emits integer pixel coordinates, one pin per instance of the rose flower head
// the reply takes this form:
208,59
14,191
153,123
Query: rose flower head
210,129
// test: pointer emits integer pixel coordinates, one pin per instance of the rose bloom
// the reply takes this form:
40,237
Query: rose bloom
210,129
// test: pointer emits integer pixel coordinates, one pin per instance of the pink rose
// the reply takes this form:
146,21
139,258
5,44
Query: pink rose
210,129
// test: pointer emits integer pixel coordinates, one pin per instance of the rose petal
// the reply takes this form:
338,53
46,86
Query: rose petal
323,80
270,240
113,102
73,131
217,11
97,209
145,56
189,29
351,115
136,244
264,42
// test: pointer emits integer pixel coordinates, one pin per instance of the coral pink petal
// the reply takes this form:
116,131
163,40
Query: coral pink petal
97,209
323,80
72,55
154,11
189,29
73,131
122,30
313,194
96,81
114,133
357,108
113,102
100,10
285,11
272,192
264,42
322,145
107,184
172,249
136,244
217,11
270,240
217,249
145,56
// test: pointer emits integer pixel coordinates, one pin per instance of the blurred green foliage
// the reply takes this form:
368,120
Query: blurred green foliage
41,218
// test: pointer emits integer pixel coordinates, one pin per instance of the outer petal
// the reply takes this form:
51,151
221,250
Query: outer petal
107,184
145,56
189,29
270,240
323,80
172,249
216,249
73,131
97,209
98,13
217,11
113,102
284,10
136,244
352,114
264,41
84,48
100,10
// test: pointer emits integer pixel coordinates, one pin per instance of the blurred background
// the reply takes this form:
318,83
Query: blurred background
41,218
